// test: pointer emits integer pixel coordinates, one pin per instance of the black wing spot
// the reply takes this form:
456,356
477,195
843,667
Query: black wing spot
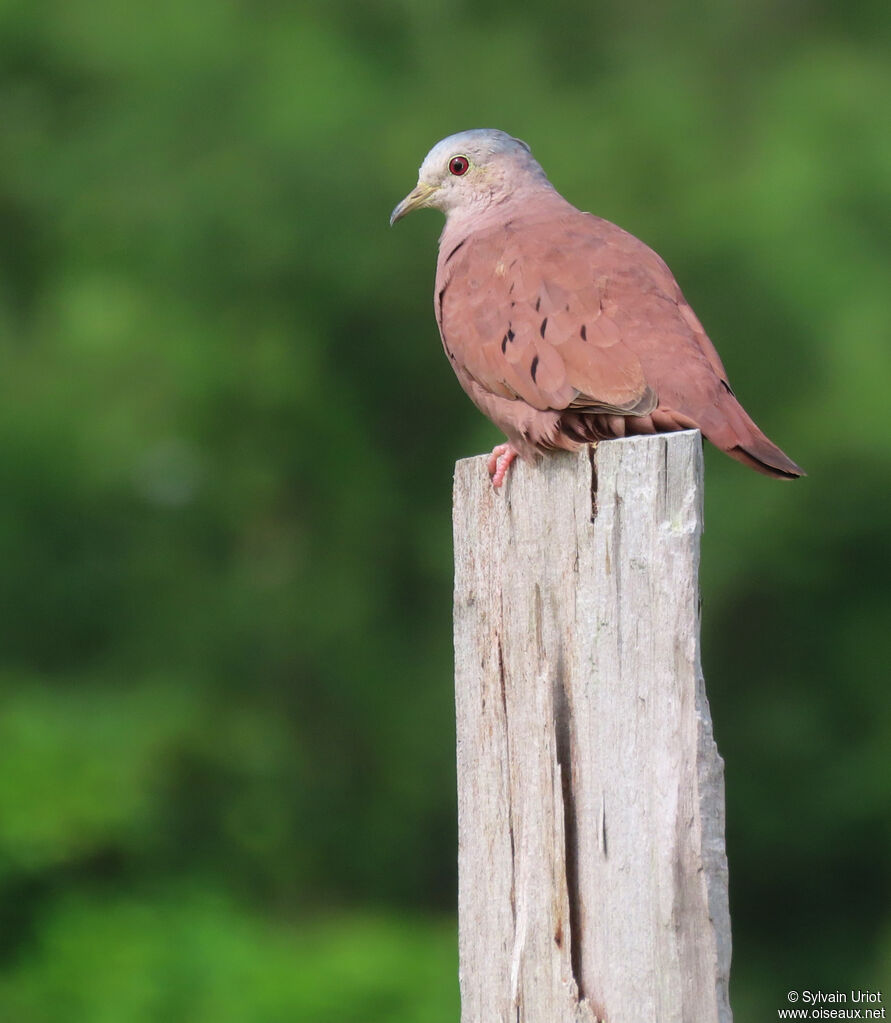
543,327
533,369
538,303
441,293
455,249
583,333
510,334
504,344
727,387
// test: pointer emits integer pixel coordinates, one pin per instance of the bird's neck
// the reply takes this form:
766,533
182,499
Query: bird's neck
539,202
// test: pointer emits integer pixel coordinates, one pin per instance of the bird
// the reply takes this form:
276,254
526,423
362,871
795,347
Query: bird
563,328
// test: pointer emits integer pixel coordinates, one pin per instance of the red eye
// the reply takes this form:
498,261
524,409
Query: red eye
458,165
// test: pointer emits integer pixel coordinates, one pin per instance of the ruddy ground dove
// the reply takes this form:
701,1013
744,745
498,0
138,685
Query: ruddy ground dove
561,327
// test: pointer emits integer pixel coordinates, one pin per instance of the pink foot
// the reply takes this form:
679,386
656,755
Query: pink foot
500,461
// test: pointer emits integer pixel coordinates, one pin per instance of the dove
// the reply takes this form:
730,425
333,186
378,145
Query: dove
561,327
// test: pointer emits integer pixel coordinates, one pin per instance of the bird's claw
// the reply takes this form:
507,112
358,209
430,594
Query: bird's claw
500,462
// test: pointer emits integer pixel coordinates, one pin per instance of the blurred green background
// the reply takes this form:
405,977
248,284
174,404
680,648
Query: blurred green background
227,433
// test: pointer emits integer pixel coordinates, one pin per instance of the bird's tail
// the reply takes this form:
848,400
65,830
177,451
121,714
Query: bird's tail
766,457
738,436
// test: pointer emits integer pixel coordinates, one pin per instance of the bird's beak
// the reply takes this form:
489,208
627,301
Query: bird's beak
417,199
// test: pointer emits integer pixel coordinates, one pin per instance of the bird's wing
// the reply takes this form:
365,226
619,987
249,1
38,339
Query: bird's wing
568,312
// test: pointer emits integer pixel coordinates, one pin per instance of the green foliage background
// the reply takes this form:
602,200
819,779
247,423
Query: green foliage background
227,433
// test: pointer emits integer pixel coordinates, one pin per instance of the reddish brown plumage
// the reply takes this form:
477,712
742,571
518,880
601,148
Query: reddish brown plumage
563,328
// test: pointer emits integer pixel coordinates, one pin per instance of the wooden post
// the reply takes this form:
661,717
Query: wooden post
592,871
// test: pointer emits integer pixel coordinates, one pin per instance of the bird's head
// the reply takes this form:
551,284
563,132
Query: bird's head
471,170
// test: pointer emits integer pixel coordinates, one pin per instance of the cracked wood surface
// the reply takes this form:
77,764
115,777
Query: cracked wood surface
592,872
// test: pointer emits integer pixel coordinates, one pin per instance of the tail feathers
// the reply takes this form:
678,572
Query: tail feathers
737,435
725,424
764,456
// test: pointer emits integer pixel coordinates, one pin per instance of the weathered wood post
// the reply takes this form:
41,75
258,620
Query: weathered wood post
592,871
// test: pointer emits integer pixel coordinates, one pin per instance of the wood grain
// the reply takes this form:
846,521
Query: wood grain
592,871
